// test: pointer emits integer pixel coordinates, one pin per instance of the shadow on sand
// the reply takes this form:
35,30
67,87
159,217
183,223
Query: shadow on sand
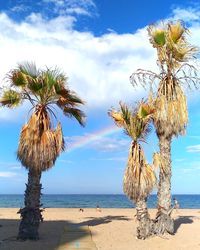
50,233
93,221
182,220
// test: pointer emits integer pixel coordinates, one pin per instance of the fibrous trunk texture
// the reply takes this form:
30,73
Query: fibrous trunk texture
145,227
31,213
164,222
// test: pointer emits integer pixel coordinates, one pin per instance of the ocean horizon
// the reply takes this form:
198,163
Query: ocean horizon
187,201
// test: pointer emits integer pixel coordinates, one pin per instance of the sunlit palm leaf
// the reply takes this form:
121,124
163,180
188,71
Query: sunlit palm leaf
176,31
10,99
146,110
117,117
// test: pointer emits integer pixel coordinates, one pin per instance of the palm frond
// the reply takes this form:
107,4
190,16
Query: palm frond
10,98
176,30
29,69
144,78
73,112
17,78
172,111
159,162
59,139
139,177
35,85
117,117
136,123
157,36
126,113
40,145
69,98
145,110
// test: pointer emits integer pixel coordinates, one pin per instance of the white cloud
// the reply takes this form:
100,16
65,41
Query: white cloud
19,8
188,15
98,67
193,148
77,7
7,174
106,144
78,11
37,22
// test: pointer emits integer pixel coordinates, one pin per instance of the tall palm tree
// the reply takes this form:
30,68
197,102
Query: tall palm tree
171,116
139,177
40,144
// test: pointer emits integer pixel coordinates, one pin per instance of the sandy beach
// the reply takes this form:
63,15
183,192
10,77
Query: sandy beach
111,229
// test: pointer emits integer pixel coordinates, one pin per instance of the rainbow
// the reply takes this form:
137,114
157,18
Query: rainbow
87,139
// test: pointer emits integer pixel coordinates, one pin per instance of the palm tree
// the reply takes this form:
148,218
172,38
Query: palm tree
171,116
40,144
139,177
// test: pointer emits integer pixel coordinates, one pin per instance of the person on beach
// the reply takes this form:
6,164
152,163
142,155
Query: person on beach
176,204
98,209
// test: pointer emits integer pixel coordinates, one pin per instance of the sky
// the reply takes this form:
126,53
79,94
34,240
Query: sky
98,44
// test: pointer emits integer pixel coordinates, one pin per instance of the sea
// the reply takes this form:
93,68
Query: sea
92,200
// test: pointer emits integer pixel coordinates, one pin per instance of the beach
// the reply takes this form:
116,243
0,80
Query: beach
110,229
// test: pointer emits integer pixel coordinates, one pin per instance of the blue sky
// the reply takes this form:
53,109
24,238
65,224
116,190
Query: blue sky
98,44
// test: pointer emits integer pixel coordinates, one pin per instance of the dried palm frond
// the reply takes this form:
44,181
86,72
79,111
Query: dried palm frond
39,145
122,118
159,162
139,178
117,117
176,31
145,78
171,116
183,52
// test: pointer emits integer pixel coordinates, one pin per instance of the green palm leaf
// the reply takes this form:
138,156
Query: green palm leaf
74,112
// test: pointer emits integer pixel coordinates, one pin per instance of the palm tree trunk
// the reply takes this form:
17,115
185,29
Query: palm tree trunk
145,227
164,222
31,213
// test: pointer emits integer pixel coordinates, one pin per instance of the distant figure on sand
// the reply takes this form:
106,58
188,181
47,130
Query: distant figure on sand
176,204
81,210
98,208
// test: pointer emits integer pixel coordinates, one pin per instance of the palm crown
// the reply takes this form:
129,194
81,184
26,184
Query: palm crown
139,177
39,143
174,52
